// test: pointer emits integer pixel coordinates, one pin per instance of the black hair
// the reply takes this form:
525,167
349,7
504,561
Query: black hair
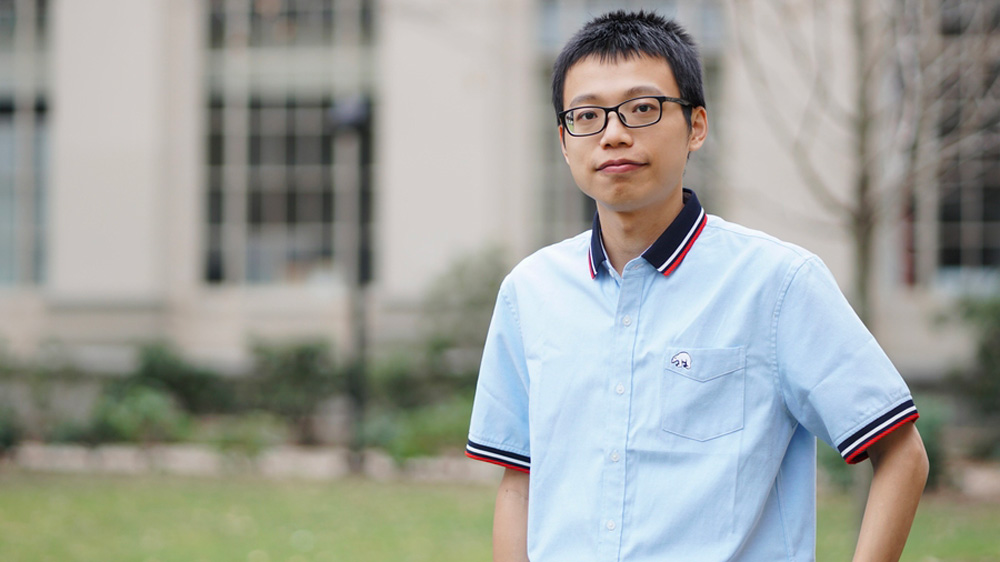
622,35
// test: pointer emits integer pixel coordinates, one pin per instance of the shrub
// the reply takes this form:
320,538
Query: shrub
291,380
981,385
248,433
934,416
69,431
408,381
459,306
455,318
10,430
197,390
428,430
138,415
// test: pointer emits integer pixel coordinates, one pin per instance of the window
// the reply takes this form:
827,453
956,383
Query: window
968,130
23,142
288,198
289,23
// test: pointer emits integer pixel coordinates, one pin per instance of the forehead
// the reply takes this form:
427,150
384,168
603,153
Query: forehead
593,80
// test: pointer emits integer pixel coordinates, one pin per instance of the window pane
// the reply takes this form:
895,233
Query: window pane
308,150
214,272
950,257
991,256
991,203
216,152
265,255
215,201
950,210
310,207
327,209
291,210
7,24
272,150
309,178
273,211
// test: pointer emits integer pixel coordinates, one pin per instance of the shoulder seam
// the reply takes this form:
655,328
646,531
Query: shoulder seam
764,237
510,307
786,284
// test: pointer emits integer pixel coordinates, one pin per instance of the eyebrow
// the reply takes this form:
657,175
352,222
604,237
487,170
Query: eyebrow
632,92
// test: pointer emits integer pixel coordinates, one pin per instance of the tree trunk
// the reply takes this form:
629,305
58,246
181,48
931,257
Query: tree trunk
863,215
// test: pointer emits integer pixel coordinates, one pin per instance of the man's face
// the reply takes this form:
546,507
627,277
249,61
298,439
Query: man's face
627,170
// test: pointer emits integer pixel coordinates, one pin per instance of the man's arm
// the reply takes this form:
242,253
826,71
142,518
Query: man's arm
510,518
900,467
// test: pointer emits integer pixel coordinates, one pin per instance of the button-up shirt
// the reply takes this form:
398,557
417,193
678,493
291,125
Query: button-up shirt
671,412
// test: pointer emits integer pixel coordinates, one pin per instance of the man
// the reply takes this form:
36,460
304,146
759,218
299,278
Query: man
655,387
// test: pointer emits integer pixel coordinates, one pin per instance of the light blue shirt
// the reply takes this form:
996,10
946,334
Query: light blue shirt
671,413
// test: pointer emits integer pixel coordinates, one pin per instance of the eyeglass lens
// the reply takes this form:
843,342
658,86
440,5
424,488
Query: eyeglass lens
633,113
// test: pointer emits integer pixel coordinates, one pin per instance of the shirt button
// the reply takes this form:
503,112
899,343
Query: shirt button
620,389
627,320
610,525
614,456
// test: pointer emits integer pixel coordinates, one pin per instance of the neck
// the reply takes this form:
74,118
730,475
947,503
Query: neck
627,234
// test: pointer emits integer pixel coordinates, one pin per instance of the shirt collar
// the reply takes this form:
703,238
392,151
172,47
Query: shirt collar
669,249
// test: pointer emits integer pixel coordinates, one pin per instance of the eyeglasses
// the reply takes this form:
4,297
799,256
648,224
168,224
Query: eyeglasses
634,113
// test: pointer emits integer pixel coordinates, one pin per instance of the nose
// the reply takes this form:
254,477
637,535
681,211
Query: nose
615,132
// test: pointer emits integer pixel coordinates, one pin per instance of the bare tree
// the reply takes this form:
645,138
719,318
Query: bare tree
920,98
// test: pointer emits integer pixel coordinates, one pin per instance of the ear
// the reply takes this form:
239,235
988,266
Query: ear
699,128
562,143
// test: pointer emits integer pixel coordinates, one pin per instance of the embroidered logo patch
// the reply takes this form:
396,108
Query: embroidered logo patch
682,359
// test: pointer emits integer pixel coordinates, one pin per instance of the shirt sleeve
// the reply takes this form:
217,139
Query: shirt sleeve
835,378
498,432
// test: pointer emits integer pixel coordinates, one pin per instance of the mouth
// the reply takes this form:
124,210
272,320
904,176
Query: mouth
619,166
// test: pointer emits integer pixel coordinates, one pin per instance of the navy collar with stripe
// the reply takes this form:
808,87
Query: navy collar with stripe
669,249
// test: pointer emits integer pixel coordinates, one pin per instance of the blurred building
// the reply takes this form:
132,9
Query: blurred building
210,171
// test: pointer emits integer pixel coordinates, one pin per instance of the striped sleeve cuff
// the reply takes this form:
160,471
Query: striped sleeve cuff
493,455
854,449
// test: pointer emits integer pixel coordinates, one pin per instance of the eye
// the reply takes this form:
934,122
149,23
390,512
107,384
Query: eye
643,107
584,115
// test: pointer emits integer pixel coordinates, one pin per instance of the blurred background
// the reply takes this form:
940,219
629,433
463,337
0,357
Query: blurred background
237,231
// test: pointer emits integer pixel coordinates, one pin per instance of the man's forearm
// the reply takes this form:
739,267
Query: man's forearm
900,467
510,518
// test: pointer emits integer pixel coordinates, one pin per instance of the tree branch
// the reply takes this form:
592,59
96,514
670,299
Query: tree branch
763,95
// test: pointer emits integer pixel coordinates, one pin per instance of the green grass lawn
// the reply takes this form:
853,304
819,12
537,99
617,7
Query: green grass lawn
145,519
65,519
945,529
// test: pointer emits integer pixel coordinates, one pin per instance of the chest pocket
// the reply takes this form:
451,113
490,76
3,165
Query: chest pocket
701,392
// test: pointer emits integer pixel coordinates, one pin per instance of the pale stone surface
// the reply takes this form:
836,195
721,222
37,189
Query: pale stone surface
452,469
296,462
981,480
189,460
380,466
56,458
284,462
122,459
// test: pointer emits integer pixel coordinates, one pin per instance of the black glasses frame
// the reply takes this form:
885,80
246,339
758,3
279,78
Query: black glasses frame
561,117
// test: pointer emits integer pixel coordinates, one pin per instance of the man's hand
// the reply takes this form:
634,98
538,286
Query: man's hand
900,467
510,518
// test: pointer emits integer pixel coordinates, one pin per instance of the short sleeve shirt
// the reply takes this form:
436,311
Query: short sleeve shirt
671,412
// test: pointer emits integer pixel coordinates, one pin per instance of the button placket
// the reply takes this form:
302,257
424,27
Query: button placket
625,332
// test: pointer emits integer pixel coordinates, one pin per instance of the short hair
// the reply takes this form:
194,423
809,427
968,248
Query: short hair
621,35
